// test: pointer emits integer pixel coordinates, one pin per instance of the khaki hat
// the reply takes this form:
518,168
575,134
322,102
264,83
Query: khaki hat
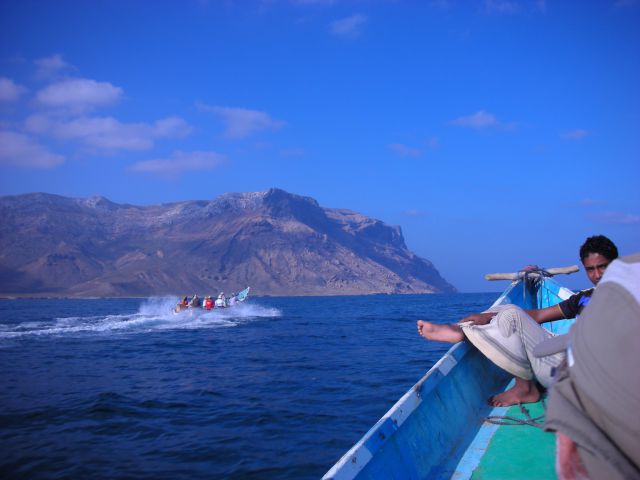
595,399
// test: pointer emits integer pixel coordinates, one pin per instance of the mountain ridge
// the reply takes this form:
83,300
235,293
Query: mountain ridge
275,241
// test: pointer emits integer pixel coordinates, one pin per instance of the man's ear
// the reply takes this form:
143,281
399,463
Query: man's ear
568,462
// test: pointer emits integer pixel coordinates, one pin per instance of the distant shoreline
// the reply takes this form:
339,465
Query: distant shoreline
30,296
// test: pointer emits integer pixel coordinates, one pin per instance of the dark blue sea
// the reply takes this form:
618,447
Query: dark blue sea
275,388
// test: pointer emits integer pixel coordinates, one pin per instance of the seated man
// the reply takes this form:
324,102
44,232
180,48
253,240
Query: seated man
195,301
221,301
208,303
507,334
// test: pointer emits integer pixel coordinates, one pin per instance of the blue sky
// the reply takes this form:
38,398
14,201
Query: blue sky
496,133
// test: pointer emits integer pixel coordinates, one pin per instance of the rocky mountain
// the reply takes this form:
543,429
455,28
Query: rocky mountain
276,242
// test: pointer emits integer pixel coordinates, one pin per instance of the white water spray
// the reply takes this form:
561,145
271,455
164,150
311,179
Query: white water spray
154,314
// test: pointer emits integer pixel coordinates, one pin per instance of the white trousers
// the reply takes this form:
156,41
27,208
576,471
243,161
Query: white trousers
508,341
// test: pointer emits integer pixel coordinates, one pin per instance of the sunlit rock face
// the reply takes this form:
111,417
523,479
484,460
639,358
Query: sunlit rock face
274,241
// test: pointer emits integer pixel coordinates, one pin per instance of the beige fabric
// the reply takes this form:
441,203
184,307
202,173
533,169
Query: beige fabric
596,398
508,341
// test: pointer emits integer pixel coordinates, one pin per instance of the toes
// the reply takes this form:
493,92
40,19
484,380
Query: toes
496,401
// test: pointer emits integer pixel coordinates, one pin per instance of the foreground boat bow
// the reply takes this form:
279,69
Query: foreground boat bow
437,429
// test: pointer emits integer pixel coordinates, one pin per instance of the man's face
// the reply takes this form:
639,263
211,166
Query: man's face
595,265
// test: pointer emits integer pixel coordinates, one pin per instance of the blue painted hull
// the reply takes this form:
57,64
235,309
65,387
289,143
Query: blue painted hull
427,434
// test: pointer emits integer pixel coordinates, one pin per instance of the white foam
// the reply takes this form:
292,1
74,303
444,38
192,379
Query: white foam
155,314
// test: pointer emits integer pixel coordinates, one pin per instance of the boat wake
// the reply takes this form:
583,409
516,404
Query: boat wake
155,314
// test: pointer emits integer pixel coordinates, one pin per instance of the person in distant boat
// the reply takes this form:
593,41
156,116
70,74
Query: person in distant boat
195,301
507,335
182,304
221,301
208,302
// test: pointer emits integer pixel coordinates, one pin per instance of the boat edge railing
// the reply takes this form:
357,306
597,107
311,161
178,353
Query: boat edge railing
360,453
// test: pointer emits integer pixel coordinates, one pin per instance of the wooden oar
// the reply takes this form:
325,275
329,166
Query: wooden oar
533,273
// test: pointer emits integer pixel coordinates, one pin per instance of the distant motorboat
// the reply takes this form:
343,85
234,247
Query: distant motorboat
220,302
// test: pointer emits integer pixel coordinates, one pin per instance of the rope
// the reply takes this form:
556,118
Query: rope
535,277
528,420
532,277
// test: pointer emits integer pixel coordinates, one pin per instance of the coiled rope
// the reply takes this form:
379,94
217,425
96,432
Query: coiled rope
527,420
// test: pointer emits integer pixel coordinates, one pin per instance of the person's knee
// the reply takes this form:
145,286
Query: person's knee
510,320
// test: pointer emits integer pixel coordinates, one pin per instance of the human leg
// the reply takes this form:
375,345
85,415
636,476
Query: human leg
450,332
508,341
531,333
524,391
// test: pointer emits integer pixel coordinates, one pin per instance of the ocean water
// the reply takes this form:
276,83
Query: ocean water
275,388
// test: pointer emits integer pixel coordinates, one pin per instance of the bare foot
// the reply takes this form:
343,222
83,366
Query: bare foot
449,332
524,391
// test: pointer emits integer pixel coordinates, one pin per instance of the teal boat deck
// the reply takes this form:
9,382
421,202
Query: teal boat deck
518,451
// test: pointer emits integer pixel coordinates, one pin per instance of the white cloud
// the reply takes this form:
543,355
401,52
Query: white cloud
541,5
510,7
619,218
18,150
242,122
576,134
478,120
107,133
626,3
405,150
415,213
171,127
49,67
501,6
9,90
313,2
348,26
79,94
443,4
293,152
180,162
585,203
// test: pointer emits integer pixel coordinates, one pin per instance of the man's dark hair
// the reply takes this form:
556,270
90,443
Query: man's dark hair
599,244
